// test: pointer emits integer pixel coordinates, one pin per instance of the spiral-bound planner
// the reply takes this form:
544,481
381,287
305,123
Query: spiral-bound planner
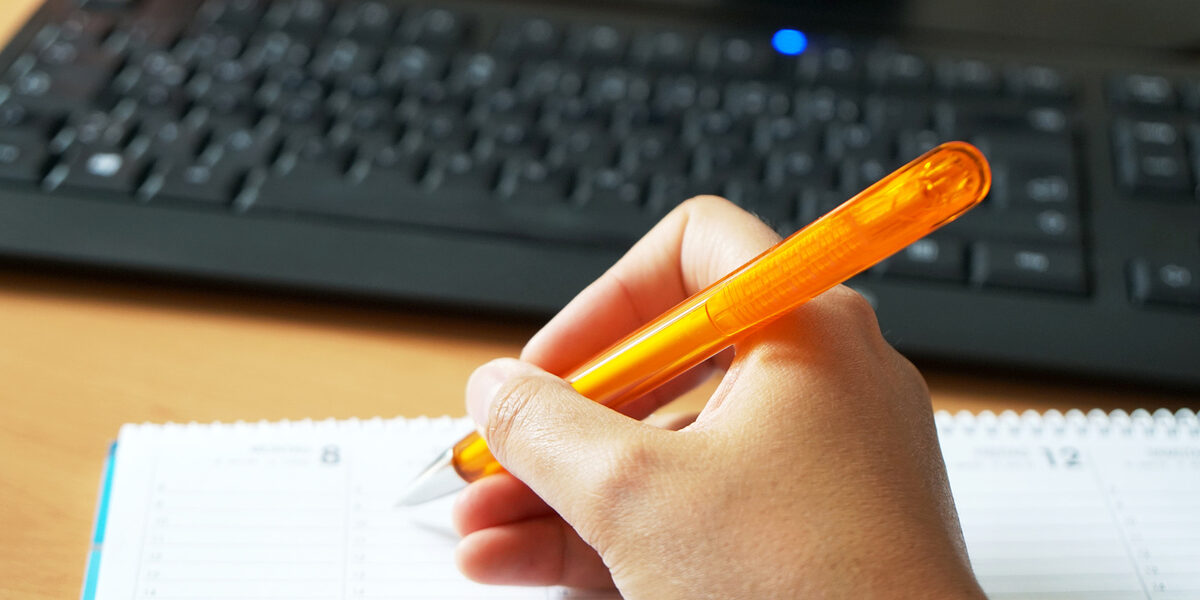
1098,506
1079,505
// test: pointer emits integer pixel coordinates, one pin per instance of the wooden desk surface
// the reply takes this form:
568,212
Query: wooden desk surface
82,354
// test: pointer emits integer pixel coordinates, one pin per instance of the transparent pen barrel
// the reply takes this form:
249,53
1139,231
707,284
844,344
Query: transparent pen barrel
894,212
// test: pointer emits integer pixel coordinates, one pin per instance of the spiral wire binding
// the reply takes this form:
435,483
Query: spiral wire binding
1095,423
396,425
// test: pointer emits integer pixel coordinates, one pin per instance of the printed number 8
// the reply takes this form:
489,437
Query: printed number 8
330,455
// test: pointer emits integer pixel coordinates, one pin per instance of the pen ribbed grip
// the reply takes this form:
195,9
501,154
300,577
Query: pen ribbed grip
878,222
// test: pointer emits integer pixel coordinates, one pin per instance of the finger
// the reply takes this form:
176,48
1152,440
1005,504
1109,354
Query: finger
496,500
538,552
548,436
697,243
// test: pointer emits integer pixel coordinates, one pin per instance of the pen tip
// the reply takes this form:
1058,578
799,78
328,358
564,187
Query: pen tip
437,480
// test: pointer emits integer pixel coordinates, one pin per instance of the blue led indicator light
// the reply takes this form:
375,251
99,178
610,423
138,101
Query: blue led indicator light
789,41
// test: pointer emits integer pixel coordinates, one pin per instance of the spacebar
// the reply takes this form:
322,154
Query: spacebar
391,201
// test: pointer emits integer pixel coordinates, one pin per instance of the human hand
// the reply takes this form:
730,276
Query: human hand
814,470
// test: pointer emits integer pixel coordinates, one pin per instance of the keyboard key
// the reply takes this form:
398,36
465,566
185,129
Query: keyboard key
968,77
608,87
100,168
548,80
736,56
59,87
857,140
559,111
912,143
964,121
239,142
929,258
598,44
112,129
222,98
1034,183
680,93
299,17
714,128
315,177
341,58
1172,283
1190,90
23,155
240,14
214,46
276,49
647,152
1049,225
439,28
1151,157
321,196
1194,139
172,137
901,71
370,21
825,105
856,173
529,37
402,66
753,99
489,103
772,133
583,144
509,136
23,142
1143,91
437,129
611,192
1038,83
627,118
461,177
831,63
721,162
530,182
1056,150
1028,266
196,182
774,207
796,164
477,71
665,50
889,113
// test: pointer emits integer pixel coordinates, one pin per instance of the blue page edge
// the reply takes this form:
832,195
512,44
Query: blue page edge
91,572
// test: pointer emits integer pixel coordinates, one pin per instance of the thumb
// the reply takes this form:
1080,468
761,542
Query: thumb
561,444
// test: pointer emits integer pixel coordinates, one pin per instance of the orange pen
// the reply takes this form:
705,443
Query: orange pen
882,219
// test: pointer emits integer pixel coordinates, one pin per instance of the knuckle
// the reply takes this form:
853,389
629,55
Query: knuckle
708,206
704,201
853,307
907,373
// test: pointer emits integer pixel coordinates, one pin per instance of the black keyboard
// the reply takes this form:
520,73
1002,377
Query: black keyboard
501,155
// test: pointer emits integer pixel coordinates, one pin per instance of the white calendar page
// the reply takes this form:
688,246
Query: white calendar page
1058,507
1093,506
283,510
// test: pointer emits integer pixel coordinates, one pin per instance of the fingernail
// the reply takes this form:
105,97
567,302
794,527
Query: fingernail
483,385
